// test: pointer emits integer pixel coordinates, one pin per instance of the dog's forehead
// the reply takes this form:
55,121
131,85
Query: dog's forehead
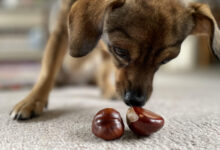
145,20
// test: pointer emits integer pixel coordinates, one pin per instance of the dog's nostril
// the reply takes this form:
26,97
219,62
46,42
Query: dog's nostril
132,98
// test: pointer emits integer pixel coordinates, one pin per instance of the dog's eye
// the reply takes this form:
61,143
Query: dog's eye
121,52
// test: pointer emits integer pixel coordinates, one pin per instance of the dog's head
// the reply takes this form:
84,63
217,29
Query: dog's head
141,36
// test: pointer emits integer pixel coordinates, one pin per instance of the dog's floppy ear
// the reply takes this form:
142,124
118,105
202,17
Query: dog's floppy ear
86,19
205,23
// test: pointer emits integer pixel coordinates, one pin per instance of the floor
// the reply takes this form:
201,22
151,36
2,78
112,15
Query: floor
189,103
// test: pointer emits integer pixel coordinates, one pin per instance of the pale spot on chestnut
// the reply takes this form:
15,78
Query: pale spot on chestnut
143,122
131,115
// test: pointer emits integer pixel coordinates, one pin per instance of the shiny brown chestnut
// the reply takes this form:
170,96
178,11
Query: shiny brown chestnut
108,124
143,122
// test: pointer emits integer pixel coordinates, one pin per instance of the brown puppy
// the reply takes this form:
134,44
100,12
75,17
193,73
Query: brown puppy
140,35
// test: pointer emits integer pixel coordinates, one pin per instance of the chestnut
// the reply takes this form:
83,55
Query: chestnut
143,122
108,124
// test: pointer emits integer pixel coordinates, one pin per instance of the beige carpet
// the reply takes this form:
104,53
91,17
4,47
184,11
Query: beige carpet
190,104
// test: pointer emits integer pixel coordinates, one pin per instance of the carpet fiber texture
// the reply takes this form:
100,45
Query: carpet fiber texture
190,104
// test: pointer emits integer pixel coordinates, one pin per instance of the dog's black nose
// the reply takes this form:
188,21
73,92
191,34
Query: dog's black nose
132,98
